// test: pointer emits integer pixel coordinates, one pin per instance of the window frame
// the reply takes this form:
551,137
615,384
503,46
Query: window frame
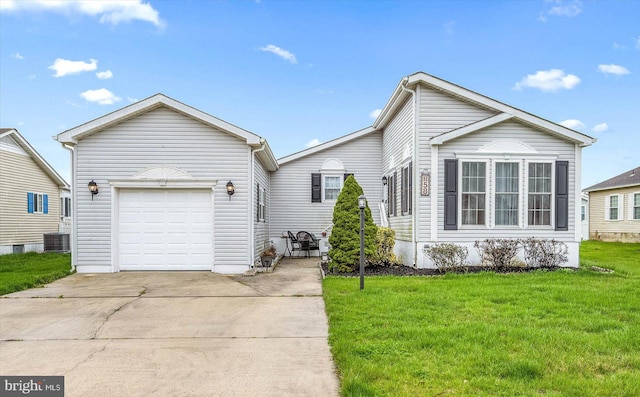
262,204
490,191
619,207
392,194
552,195
634,207
493,204
406,189
38,203
461,193
324,186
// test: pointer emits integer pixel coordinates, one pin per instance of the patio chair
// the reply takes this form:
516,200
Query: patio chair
308,242
295,244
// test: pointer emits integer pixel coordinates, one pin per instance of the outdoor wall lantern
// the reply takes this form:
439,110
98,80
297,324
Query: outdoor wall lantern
384,180
230,189
93,188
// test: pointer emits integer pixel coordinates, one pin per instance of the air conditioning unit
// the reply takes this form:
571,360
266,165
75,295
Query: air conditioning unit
56,242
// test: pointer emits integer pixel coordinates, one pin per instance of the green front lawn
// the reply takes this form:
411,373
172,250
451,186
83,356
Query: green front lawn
562,333
23,271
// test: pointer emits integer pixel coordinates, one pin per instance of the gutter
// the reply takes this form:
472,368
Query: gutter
252,177
74,217
415,208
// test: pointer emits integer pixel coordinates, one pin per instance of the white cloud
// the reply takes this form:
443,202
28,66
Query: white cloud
132,100
313,142
104,75
64,67
17,55
375,113
613,69
109,11
565,9
602,127
101,96
282,53
548,80
573,124
617,46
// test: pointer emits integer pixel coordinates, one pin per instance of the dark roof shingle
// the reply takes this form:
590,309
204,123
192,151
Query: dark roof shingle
629,178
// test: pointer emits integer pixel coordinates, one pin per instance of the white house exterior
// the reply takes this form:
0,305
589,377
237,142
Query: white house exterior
440,164
162,170
31,194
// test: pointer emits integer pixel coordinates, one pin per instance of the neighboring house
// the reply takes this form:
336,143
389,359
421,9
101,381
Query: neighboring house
31,193
614,208
584,216
440,164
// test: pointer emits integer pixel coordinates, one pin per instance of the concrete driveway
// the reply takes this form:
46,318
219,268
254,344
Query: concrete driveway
174,334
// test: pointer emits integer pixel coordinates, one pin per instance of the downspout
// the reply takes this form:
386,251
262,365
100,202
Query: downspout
74,223
416,166
252,242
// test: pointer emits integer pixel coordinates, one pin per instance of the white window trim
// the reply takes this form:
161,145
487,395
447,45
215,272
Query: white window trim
487,212
38,198
523,191
324,185
631,207
620,207
262,213
552,214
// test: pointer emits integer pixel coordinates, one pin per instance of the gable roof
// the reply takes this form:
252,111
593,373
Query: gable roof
327,145
42,163
626,179
73,135
507,112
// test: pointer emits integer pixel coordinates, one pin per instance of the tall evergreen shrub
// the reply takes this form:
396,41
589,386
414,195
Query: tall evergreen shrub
345,235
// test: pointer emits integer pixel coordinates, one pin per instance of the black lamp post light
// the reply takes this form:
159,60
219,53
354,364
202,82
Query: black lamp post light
362,204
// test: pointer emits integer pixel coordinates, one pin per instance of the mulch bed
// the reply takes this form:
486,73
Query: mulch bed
383,270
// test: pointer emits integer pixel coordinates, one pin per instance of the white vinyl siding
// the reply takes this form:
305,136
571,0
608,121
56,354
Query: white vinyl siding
439,113
162,137
293,211
548,150
261,227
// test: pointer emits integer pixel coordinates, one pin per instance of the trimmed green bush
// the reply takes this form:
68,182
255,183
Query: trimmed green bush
345,235
385,241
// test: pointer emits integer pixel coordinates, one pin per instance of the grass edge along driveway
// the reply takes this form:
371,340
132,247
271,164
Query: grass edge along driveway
23,271
564,333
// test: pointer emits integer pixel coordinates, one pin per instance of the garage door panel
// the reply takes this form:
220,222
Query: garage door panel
165,229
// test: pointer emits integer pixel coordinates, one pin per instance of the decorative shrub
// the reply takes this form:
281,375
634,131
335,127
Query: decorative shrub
544,253
385,241
497,253
345,235
448,257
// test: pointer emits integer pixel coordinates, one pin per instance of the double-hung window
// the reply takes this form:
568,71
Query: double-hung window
65,207
636,205
406,189
332,186
506,194
262,207
37,203
474,191
614,207
539,195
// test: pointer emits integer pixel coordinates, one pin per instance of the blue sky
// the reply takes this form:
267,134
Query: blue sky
302,72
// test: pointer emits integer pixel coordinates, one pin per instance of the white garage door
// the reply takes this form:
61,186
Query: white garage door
168,229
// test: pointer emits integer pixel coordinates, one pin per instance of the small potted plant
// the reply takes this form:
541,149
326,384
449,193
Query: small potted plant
266,257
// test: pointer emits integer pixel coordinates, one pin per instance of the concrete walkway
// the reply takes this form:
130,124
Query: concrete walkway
174,333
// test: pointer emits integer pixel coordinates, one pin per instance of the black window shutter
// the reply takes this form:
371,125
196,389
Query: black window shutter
450,194
347,175
316,188
410,190
395,193
562,195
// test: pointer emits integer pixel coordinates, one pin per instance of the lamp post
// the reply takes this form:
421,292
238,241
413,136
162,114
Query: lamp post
362,204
